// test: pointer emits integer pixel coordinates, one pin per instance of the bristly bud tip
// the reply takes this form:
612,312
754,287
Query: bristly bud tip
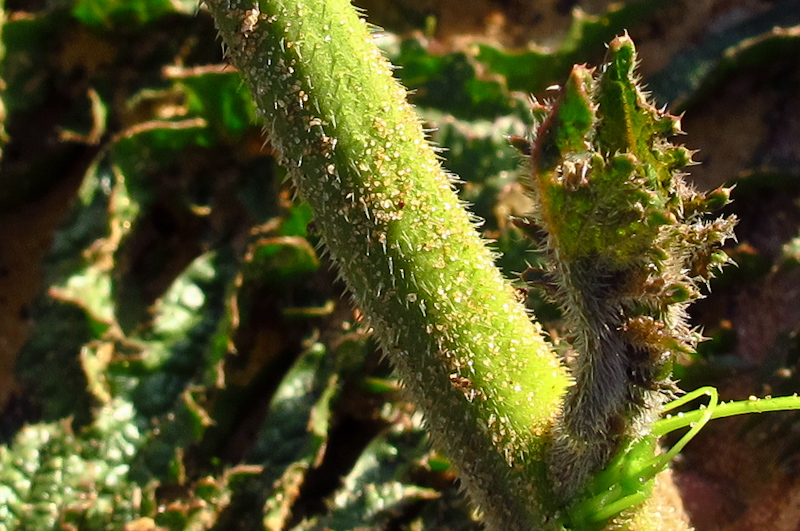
626,248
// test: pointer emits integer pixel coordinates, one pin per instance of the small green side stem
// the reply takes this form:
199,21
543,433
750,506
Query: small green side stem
671,423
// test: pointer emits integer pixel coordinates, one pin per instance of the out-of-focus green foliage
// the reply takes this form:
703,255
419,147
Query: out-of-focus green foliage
533,70
122,13
192,364
696,71
49,477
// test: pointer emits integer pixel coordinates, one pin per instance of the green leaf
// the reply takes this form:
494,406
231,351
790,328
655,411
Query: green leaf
790,253
378,487
282,261
450,83
222,100
771,36
156,144
533,70
188,336
297,220
48,474
291,441
105,14
27,40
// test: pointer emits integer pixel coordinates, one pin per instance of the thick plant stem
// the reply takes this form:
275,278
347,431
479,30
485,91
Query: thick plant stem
488,383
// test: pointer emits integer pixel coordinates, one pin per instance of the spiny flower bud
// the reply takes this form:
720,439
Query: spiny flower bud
626,247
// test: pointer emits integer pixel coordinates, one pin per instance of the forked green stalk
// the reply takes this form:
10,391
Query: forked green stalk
626,238
489,385
627,481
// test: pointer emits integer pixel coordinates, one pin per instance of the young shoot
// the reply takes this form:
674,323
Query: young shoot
628,479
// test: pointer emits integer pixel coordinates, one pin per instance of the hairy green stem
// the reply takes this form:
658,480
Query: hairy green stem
488,383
